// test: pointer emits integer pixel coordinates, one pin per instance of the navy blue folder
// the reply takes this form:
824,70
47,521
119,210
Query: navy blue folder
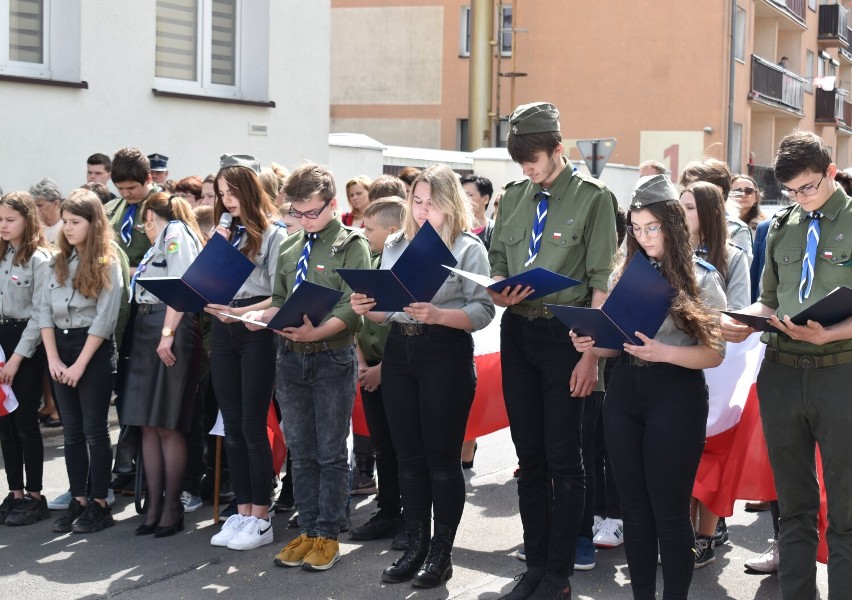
310,299
640,301
214,277
831,310
543,281
415,277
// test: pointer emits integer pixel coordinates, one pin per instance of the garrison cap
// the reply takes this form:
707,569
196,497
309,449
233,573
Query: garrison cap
240,160
538,117
159,162
652,189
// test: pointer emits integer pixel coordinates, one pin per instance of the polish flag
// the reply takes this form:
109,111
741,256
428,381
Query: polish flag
273,433
8,402
735,463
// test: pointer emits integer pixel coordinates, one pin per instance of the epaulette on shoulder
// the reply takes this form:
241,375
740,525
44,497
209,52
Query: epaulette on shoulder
394,238
703,263
516,182
780,217
112,206
345,237
586,178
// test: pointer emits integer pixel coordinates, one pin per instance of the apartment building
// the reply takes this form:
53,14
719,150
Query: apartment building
671,81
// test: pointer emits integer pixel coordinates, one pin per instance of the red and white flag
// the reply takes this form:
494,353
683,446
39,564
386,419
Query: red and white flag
8,402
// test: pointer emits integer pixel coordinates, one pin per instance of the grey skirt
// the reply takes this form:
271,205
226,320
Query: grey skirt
156,395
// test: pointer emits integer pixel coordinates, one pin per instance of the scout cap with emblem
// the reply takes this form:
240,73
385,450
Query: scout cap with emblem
538,117
652,189
159,162
240,160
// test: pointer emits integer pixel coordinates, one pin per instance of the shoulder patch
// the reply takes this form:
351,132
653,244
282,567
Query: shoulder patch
516,182
172,247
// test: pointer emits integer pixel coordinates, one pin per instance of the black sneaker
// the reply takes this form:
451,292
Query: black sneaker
124,483
704,552
285,501
94,519
525,587
64,523
551,588
720,536
401,541
363,485
9,504
378,526
30,510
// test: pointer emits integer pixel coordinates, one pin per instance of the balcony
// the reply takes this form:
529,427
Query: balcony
832,26
830,106
776,87
792,12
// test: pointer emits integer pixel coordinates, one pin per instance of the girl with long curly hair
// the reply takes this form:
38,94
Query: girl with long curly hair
655,410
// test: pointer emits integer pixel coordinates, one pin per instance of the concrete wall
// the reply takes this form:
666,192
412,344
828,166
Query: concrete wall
50,131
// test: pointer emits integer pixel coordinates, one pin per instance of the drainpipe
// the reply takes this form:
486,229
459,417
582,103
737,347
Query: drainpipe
479,103
733,62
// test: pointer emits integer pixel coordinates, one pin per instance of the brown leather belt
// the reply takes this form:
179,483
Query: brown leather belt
531,312
314,347
808,361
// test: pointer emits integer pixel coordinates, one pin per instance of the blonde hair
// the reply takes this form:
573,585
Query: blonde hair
448,197
96,254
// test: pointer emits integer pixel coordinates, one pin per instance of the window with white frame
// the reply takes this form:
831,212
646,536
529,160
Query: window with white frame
740,34
505,31
40,39
203,48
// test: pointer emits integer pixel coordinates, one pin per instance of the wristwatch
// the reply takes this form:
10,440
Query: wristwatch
168,332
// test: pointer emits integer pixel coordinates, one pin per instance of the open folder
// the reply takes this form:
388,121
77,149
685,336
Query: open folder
543,281
214,277
831,310
640,301
310,299
416,276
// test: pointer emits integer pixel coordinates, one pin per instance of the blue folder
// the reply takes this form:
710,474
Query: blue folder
214,277
640,301
543,281
830,310
416,277
310,299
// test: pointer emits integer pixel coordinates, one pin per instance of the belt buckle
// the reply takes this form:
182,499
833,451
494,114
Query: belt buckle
533,312
411,329
309,347
806,362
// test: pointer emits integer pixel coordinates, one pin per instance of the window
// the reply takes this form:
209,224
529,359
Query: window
204,48
40,39
462,136
504,34
736,158
739,34
810,59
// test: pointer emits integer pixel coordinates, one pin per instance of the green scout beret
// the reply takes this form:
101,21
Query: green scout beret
652,189
240,160
538,117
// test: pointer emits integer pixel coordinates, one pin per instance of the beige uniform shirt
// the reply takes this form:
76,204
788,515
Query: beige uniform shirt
170,256
260,282
20,291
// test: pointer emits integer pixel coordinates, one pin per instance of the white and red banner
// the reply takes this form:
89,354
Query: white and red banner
8,402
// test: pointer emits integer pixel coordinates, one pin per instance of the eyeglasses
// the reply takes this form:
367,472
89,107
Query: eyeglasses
747,191
311,214
651,231
805,190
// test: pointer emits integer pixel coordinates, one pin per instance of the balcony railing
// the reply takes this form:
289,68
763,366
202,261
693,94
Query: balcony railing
776,86
795,8
830,106
832,24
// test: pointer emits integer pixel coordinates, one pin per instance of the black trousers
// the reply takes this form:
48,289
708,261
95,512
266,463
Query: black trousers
20,437
654,422
428,384
387,467
84,410
591,414
537,358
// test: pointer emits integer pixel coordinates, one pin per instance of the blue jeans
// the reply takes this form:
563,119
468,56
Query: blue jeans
316,392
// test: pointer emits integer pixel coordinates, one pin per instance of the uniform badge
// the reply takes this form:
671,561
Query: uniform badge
321,268
557,235
839,237
570,221
828,254
173,247
14,278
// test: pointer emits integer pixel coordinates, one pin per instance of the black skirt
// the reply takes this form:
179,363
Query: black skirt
156,395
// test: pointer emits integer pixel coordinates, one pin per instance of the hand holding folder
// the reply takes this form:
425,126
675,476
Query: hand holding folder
640,301
214,277
416,276
830,310
309,299
542,281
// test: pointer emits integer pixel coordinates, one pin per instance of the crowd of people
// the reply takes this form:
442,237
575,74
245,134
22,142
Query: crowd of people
609,441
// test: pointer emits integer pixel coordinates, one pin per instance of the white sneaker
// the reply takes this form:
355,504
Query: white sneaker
610,534
596,526
254,533
228,531
767,562
60,502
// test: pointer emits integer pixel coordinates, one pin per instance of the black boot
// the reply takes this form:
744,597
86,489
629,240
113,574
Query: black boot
438,567
418,547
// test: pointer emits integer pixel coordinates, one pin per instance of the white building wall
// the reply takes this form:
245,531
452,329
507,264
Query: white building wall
50,131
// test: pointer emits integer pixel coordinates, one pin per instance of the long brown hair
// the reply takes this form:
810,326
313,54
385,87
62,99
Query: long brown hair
96,255
172,208
255,205
33,236
687,310
712,228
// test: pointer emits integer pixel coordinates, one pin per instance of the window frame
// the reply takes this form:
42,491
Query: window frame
465,32
740,34
18,68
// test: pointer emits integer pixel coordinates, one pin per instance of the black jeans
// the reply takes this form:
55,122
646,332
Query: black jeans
654,422
242,364
591,414
428,384
387,467
85,410
537,358
20,437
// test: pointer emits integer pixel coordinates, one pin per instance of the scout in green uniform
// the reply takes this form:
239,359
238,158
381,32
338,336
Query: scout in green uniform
315,383
563,221
803,384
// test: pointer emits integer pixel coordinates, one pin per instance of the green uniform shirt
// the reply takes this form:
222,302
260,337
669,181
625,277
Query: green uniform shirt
372,337
328,253
785,250
139,243
579,234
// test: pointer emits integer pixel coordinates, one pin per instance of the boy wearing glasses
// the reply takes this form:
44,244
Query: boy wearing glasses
315,383
563,221
803,381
